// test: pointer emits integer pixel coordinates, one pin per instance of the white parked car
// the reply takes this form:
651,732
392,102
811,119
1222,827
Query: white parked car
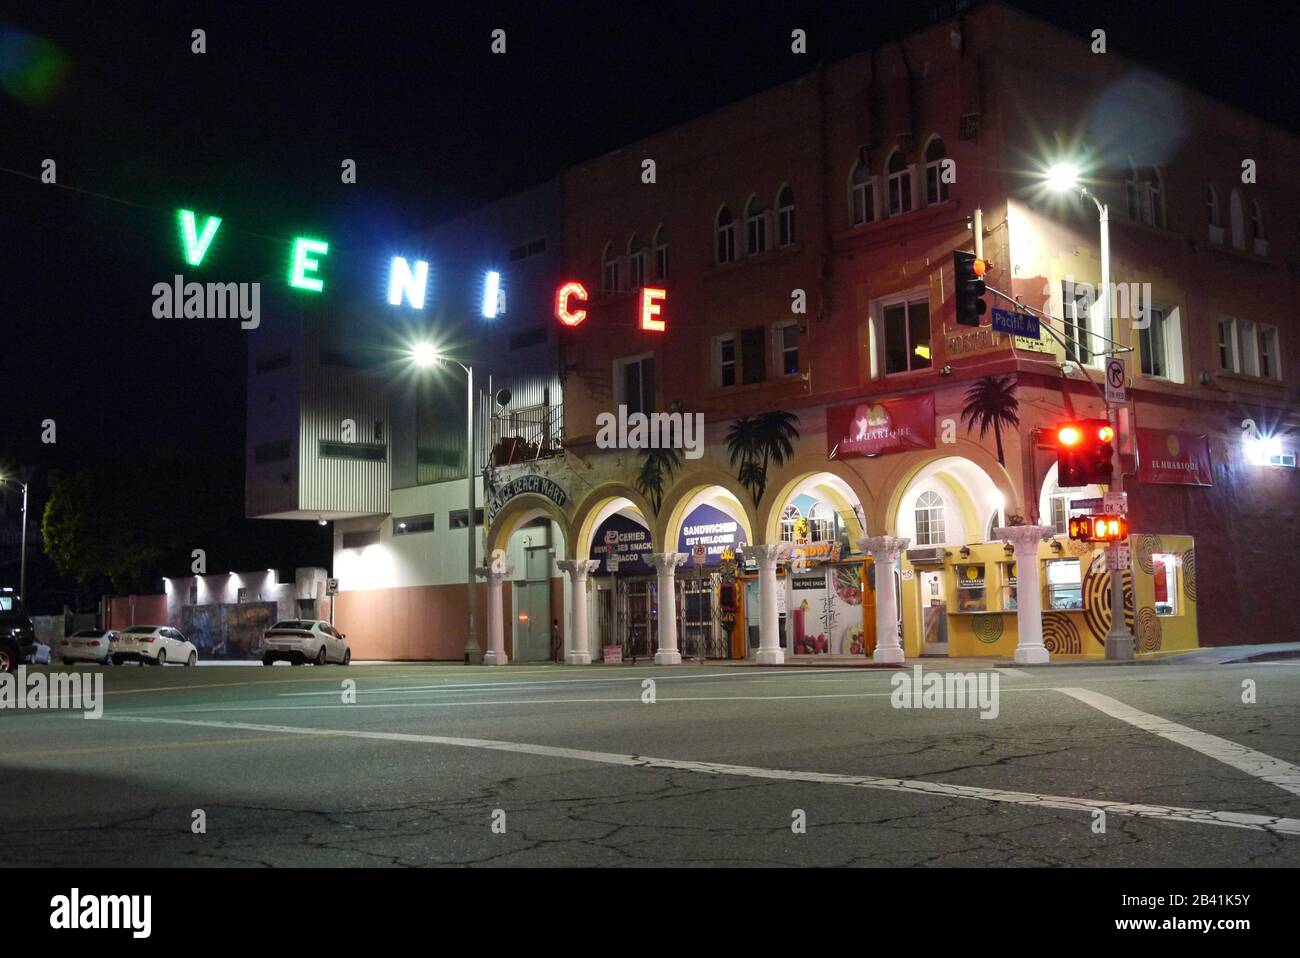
88,645
304,640
153,645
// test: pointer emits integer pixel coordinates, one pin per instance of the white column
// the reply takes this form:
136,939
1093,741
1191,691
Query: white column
666,564
769,623
1029,594
578,652
496,634
885,550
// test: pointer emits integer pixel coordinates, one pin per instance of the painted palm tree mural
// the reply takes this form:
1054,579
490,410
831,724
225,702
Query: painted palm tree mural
755,442
991,403
657,466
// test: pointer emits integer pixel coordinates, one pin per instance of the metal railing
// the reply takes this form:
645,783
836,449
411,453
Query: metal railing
528,434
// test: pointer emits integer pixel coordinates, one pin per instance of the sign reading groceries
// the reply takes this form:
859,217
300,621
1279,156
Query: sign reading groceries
873,428
1174,458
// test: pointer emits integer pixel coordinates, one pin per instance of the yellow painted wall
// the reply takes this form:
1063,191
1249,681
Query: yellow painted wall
1068,634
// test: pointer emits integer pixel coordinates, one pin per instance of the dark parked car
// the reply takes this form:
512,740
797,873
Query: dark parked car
17,637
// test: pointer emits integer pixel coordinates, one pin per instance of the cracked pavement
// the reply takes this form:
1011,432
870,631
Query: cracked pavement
122,791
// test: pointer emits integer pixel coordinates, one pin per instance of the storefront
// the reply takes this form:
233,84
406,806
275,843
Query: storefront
970,597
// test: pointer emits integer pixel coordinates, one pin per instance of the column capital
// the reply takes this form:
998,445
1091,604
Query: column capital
884,548
666,563
1024,538
769,552
495,576
578,568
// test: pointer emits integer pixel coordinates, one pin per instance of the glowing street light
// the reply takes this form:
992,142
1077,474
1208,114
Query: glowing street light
1062,177
425,355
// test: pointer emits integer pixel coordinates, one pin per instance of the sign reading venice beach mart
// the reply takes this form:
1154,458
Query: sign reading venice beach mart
539,485
872,428
1174,458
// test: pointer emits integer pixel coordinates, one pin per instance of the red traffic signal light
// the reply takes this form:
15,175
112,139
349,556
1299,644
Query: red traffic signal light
968,273
1099,528
1084,453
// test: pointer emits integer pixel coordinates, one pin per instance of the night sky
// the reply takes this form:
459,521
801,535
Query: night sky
257,126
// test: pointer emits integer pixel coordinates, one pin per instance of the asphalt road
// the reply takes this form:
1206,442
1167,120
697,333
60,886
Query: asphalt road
556,766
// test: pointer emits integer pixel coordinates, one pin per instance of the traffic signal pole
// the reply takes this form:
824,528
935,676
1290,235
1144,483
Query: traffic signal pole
1119,640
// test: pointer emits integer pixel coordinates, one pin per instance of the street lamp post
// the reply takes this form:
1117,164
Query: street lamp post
1119,641
426,355
22,558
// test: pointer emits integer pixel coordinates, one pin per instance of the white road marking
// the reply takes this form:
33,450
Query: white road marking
1283,826
629,700
1282,774
576,680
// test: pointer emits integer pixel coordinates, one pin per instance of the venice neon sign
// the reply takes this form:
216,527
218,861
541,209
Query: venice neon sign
408,280
649,309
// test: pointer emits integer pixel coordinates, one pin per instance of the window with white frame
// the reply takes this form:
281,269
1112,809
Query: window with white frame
786,346
725,227
755,227
635,264
635,377
609,272
1228,343
862,201
1145,196
821,523
906,328
1250,348
1160,342
724,359
1212,205
1268,352
936,189
790,517
899,183
1076,314
929,519
1059,506
661,253
785,217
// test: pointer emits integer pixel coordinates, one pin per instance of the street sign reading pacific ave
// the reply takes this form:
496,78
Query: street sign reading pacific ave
1015,324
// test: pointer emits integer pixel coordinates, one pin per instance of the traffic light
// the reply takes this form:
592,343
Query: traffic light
1084,452
1101,528
968,276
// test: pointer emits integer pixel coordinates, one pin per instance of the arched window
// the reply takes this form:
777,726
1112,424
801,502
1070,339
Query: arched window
862,202
820,523
635,264
929,519
609,272
1145,192
1212,205
1237,219
661,253
755,227
900,184
936,189
1256,221
790,515
785,216
725,227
